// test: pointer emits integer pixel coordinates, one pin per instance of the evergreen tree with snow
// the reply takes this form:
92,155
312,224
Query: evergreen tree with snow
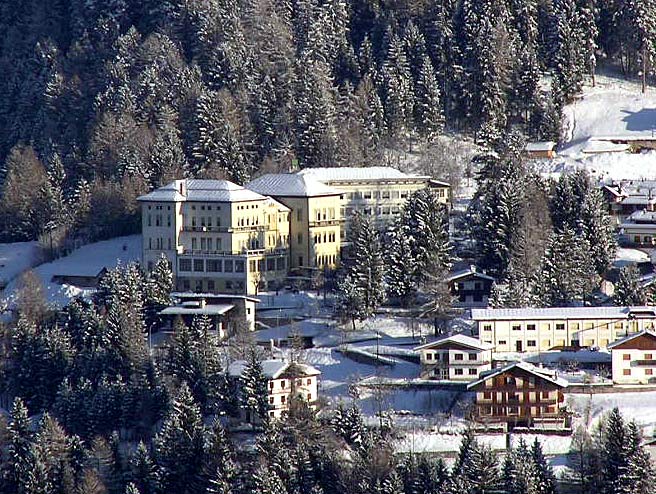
543,478
567,274
568,49
628,289
179,445
253,392
142,471
400,264
429,117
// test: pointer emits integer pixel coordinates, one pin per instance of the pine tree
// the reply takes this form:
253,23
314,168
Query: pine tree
628,289
429,117
253,392
397,88
400,267
544,480
143,472
179,445
20,454
568,48
567,275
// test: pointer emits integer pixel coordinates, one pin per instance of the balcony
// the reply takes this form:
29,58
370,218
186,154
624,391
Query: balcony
224,229
647,363
245,252
333,222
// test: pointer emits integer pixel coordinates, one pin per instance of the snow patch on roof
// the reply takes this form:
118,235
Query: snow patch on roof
290,184
560,313
272,368
195,190
459,339
349,173
541,372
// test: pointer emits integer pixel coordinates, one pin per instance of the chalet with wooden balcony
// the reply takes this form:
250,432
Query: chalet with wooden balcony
519,394
455,358
634,359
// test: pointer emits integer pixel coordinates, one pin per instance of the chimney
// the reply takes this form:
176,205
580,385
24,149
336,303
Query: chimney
182,186
202,303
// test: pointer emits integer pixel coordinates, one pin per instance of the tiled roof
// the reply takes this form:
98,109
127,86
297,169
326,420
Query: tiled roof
290,185
459,339
560,313
337,174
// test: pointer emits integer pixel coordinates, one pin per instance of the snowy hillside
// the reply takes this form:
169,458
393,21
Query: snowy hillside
108,254
15,258
613,108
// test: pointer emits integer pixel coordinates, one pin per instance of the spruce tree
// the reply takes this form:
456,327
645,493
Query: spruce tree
628,289
253,392
179,445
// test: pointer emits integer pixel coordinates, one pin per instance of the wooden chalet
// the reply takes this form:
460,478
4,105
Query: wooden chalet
520,394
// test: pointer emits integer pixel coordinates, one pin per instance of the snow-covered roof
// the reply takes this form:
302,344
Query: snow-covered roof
643,216
458,339
195,190
645,135
439,183
81,270
637,226
349,173
227,296
594,146
541,372
561,313
207,310
290,185
540,146
630,337
272,368
467,272
639,200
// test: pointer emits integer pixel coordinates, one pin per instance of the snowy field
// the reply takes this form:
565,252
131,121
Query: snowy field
613,108
16,258
93,257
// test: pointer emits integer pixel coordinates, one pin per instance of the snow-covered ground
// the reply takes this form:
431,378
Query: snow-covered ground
614,107
16,258
107,254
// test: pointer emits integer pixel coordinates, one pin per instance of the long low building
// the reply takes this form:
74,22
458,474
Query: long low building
543,329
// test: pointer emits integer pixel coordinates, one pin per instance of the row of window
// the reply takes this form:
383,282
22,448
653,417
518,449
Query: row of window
574,326
324,214
487,410
283,399
647,356
269,264
325,237
283,383
461,372
627,372
379,211
322,261
487,395
159,208
378,194
457,356
157,243
211,265
185,285
158,220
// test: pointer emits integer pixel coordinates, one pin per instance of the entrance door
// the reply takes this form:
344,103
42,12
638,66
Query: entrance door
518,346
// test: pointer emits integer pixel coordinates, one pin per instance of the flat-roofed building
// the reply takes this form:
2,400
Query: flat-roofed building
218,236
378,192
633,359
455,358
542,329
315,222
